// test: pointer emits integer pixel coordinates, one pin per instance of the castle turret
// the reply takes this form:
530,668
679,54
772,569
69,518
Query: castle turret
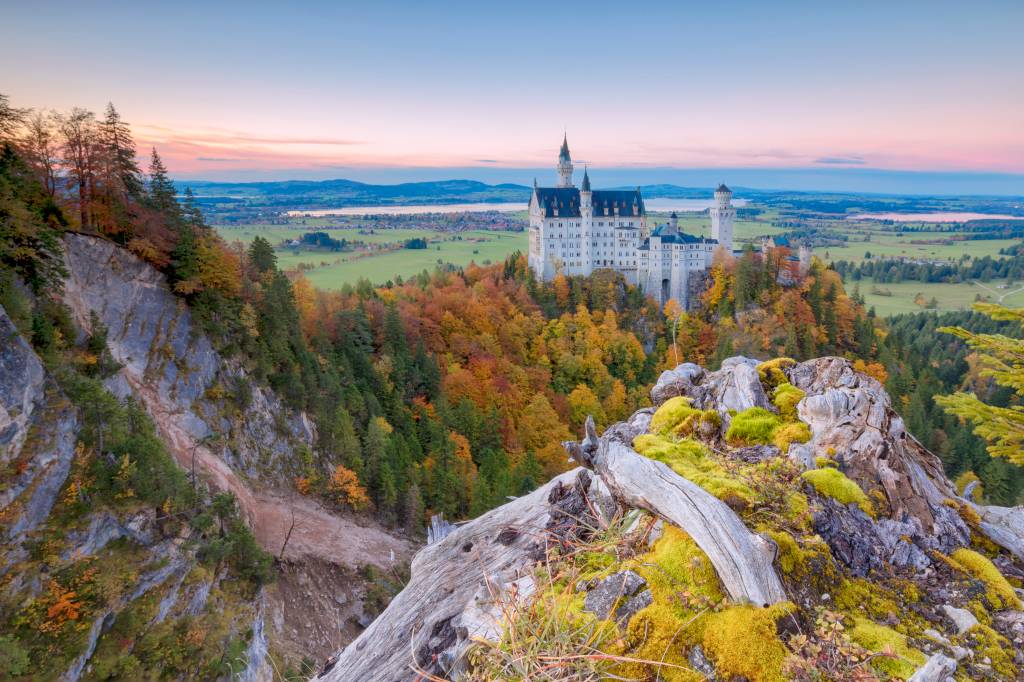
722,217
587,222
674,222
564,164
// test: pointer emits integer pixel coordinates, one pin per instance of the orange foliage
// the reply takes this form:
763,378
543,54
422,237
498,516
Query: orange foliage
346,487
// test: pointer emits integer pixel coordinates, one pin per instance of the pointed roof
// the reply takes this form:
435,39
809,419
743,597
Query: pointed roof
723,188
563,153
586,181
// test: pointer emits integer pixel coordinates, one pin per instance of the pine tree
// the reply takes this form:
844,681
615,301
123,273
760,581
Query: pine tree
162,196
124,175
261,255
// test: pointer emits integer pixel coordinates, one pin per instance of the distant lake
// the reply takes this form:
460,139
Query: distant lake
413,210
936,217
652,205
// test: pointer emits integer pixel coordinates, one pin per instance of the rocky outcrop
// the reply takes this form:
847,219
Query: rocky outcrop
165,355
34,467
913,526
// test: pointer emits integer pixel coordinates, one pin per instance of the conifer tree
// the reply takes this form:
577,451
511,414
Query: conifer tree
161,188
1002,359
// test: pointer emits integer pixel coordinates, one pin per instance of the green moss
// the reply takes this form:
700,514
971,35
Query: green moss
795,432
676,416
999,592
822,462
785,397
987,643
901,660
752,426
743,641
771,371
692,460
683,583
834,483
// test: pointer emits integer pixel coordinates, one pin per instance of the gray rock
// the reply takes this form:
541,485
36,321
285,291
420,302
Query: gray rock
938,668
602,598
699,661
963,619
676,382
756,453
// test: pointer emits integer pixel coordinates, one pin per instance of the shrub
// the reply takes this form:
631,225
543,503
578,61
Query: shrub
834,483
752,426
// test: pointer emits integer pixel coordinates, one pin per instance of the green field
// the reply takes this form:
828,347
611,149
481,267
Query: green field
332,270
949,296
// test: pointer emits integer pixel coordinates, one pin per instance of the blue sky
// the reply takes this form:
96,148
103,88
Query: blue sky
261,90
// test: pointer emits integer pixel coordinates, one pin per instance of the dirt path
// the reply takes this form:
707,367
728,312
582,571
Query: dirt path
315,531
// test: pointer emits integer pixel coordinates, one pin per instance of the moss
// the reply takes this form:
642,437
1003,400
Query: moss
752,426
785,397
902,660
834,483
797,507
692,460
743,641
771,371
683,584
987,643
795,432
822,462
858,596
676,416
998,591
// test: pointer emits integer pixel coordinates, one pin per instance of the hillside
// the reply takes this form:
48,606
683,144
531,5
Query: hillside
765,521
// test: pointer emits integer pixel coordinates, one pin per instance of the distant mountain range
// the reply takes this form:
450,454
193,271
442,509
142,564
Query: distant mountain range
339,193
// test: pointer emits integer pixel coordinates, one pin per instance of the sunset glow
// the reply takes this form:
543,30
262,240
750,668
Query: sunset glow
227,90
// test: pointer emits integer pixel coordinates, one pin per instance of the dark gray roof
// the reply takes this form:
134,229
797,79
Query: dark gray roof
676,237
585,187
563,153
723,188
567,200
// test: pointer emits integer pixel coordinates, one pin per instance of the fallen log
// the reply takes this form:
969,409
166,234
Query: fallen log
742,559
455,586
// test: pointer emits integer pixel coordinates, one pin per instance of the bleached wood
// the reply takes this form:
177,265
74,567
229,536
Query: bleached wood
743,560
452,582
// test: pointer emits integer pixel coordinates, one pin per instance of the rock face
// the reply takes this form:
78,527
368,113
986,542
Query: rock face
852,421
164,354
30,403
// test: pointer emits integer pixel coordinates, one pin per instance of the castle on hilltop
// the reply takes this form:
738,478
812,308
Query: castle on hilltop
576,231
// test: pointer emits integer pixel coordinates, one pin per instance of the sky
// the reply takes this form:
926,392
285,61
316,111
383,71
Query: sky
817,95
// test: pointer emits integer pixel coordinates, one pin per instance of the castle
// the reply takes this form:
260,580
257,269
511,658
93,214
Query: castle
576,231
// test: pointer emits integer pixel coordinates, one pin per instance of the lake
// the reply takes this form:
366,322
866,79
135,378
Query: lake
936,217
686,205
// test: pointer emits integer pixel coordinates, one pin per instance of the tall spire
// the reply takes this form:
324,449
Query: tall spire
563,153
586,180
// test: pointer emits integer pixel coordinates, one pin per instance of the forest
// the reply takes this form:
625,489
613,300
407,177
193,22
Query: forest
449,391
890,270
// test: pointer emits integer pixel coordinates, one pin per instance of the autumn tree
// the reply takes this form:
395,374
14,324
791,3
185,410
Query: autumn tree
78,155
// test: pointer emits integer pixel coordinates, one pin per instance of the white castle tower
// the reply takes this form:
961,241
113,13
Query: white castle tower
564,164
722,217
586,220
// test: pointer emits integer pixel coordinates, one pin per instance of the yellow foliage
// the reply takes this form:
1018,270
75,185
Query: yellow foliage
345,485
743,640
999,592
966,478
834,483
875,370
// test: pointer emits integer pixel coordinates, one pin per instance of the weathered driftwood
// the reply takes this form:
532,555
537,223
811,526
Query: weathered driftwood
1003,526
743,560
450,597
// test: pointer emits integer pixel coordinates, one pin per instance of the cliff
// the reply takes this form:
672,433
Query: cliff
765,521
143,570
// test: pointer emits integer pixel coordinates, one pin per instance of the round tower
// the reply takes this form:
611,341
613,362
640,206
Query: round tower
723,215
587,223
564,164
